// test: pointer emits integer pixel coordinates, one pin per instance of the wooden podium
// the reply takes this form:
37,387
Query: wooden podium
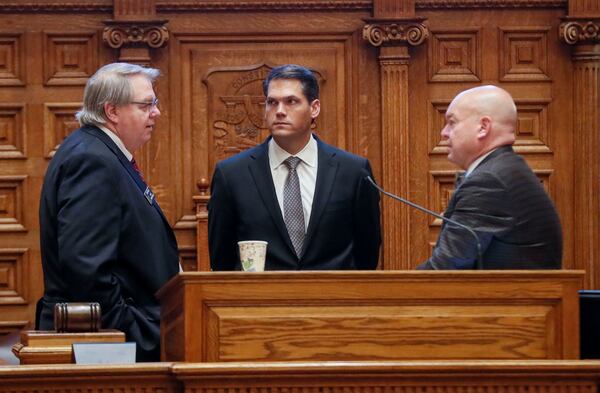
378,315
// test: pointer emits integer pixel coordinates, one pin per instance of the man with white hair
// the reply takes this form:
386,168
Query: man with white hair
103,236
500,198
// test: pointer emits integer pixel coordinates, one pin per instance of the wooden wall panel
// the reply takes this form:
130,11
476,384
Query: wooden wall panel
212,63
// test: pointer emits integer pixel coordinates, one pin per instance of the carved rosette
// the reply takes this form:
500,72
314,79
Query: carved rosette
580,31
152,34
389,33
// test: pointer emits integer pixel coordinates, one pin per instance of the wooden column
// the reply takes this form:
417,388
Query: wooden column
394,28
582,30
135,30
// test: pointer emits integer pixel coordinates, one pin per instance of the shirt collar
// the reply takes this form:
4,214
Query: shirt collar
478,161
308,154
116,140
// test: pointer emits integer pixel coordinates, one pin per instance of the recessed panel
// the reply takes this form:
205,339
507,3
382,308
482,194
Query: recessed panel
12,204
524,54
69,58
275,333
455,56
13,284
12,130
60,122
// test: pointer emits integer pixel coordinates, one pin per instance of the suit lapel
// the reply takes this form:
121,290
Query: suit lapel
141,185
260,170
326,172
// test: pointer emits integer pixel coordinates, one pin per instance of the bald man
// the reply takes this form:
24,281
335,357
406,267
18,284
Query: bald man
500,197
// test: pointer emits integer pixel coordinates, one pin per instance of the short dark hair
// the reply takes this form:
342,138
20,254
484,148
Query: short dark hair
310,85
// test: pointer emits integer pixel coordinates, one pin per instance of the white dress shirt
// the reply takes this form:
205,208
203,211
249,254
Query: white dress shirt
117,141
307,173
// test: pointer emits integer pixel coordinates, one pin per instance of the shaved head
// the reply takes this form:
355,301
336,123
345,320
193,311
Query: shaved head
479,120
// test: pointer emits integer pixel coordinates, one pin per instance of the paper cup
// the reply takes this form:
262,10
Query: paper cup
252,255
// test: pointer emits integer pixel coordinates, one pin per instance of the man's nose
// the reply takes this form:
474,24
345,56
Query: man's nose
155,112
280,109
444,133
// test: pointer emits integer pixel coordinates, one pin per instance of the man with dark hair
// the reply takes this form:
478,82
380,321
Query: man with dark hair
500,197
309,200
103,236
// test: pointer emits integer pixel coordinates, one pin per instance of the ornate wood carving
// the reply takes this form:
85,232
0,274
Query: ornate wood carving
394,36
201,202
264,5
384,32
579,31
584,35
135,30
153,34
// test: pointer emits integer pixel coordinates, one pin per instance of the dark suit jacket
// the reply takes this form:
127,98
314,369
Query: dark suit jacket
102,241
343,230
515,220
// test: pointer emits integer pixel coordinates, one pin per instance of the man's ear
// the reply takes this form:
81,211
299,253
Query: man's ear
111,112
485,127
315,109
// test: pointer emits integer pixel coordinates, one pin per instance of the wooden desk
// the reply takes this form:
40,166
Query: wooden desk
381,315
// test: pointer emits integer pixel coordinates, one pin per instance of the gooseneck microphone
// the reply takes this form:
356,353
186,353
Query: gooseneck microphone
479,262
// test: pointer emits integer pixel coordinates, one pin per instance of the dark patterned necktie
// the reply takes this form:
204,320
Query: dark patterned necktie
293,214
137,168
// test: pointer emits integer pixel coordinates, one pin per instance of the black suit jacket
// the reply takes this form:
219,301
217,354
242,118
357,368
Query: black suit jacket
343,230
515,220
103,241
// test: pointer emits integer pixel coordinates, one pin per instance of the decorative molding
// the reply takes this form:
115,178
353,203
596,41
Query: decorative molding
166,6
70,58
14,263
12,203
395,32
264,5
453,4
57,7
523,54
454,56
13,130
59,122
153,34
441,185
12,59
580,31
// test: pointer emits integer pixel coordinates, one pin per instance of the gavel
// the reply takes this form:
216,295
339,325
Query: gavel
77,317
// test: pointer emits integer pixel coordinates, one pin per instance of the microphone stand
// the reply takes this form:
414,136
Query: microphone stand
479,262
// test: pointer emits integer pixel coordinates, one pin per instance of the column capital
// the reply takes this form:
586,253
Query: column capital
394,31
152,33
579,30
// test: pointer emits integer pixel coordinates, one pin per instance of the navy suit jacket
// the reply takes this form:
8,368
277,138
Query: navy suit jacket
515,220
103,241
344,226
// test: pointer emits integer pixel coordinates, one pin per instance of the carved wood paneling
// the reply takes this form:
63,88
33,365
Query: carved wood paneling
12,130
14,265
69,58
12,203
455,56
532,126
12,59
59,122
523,54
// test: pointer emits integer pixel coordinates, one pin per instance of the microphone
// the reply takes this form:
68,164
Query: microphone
479,262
